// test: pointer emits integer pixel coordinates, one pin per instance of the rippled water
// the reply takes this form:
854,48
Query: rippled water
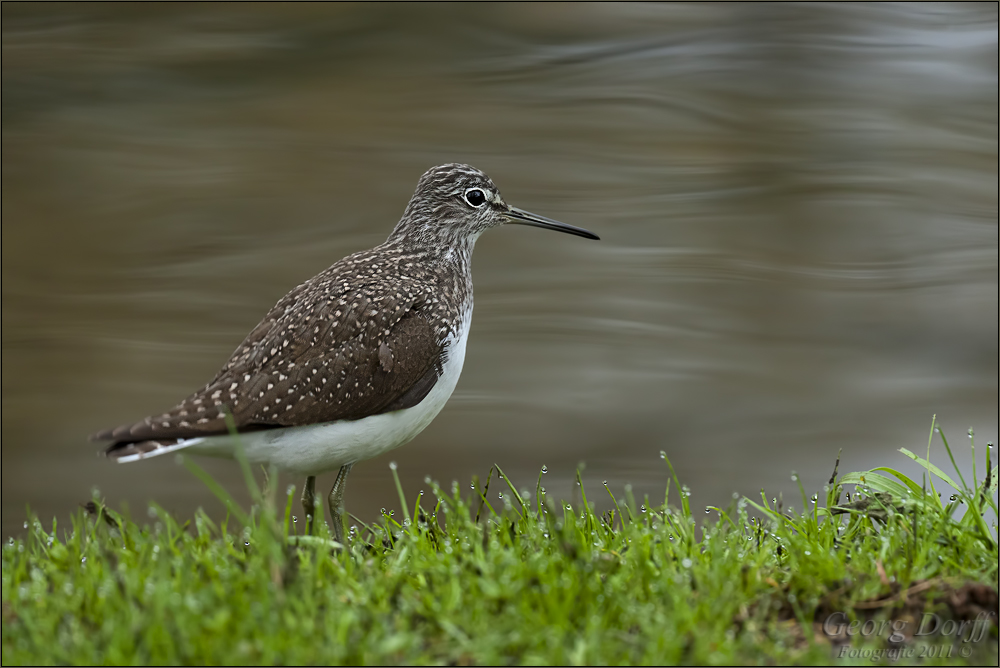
797,205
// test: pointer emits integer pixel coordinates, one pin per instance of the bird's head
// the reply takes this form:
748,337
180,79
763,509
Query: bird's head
455,203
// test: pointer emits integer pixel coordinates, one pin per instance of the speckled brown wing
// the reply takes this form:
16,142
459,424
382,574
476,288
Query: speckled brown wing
365,376
323,353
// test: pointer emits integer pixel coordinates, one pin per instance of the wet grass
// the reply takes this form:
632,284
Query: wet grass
876,568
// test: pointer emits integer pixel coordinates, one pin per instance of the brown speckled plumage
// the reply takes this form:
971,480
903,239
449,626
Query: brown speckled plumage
331,349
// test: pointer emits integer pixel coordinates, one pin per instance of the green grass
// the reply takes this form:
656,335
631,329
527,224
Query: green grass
495,575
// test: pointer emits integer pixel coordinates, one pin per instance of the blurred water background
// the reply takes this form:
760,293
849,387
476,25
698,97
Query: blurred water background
798,207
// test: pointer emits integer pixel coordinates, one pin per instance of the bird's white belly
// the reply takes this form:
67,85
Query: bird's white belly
327,446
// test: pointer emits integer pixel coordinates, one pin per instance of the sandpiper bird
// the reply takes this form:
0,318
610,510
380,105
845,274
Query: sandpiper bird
357,360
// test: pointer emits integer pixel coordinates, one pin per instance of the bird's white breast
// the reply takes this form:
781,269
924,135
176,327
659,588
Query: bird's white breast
324,447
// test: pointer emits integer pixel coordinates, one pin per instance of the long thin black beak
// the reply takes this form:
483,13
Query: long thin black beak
521,217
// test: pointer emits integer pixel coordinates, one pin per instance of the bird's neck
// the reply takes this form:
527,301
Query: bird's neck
446,248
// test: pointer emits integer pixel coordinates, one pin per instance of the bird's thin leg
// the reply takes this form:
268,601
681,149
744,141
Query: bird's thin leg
309,502
336,502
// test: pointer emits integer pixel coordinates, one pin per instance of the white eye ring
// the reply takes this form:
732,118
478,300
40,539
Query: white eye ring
475,197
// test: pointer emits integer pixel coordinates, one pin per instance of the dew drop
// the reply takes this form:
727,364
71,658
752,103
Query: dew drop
392,465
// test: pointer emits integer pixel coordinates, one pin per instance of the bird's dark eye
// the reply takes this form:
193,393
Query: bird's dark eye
475,198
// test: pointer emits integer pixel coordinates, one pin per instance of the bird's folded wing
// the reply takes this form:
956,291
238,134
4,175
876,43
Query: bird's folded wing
305,366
